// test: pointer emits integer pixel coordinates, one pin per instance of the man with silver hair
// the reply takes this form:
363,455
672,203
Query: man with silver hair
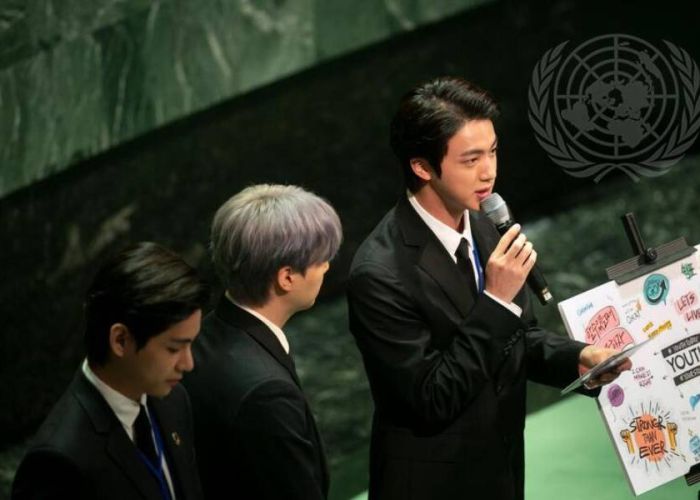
255,435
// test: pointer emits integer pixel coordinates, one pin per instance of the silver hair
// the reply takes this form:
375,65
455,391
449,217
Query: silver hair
266,227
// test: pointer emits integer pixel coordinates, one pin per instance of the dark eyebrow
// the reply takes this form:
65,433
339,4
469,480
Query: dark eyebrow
479,151
181,341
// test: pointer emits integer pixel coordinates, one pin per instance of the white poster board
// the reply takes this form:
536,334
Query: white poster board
651,412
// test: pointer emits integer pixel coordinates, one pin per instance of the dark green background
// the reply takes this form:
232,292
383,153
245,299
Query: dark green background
321,123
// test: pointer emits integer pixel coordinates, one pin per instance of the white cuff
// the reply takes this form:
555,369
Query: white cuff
512,306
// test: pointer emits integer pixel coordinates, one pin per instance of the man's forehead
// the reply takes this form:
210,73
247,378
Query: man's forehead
476,126
476,134
178,336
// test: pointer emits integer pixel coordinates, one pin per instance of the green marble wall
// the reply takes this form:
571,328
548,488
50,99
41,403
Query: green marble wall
326,129
78,77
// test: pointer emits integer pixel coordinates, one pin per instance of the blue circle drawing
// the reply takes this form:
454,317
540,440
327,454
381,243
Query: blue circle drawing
656,288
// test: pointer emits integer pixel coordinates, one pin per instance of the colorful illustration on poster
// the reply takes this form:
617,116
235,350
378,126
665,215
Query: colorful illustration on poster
604,330
656,288
687,270
616,395
642,375
650,436
687,306
683,358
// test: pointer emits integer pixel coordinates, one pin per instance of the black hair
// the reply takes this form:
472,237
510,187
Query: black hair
429,115
145,287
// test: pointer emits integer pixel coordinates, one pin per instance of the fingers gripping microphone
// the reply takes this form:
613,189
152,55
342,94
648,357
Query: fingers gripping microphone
497,211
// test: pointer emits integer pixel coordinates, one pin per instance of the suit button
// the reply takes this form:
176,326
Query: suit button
499,388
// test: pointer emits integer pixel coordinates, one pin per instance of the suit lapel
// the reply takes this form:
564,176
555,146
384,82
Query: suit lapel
237,317
123,452
485,236
174,453
321,450
435,262
118,445
433,259
242,320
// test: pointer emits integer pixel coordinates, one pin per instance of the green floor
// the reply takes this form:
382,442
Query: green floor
569,456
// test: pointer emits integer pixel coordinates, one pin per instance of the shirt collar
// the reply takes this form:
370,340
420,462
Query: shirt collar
126,409
281,337
449,238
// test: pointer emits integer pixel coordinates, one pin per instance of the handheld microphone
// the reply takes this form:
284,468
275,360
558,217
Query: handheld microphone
497,211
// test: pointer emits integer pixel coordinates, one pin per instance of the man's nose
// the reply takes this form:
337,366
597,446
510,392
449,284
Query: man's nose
488,168
186,361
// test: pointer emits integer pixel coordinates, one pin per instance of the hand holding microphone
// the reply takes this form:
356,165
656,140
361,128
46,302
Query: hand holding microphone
513,259
509,265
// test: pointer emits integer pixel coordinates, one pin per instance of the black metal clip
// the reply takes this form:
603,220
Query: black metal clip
646,259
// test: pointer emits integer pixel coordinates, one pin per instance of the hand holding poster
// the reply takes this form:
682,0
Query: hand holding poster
650,411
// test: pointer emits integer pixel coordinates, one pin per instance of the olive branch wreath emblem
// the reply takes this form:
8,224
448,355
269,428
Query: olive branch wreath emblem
573,162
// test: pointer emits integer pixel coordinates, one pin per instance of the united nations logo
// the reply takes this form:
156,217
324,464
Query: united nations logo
615,102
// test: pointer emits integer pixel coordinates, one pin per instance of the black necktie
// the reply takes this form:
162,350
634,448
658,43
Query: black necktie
464,262
144,437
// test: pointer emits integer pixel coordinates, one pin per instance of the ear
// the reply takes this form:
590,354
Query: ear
120,339
421,168
285,279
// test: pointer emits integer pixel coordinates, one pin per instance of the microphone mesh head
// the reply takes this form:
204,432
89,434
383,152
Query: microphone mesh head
495,208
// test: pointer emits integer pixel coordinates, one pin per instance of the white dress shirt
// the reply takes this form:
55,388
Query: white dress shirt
275,329
126,410
451,239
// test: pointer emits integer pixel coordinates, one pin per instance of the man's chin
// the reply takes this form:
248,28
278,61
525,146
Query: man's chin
161,392
473,206
306,306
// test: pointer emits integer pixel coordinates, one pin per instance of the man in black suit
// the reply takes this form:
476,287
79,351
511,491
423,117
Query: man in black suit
255,434
123,428
438,310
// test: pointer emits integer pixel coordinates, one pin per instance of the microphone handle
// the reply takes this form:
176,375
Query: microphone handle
535,279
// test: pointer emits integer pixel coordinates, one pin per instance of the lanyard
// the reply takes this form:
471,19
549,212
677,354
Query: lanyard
479,269
157,469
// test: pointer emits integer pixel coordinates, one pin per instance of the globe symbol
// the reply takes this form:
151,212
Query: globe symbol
615,97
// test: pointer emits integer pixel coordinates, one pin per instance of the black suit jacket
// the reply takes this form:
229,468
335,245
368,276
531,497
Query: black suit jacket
447,367
254,432
82,451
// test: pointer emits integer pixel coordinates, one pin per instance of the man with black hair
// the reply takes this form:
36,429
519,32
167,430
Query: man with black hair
123,428
438,310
